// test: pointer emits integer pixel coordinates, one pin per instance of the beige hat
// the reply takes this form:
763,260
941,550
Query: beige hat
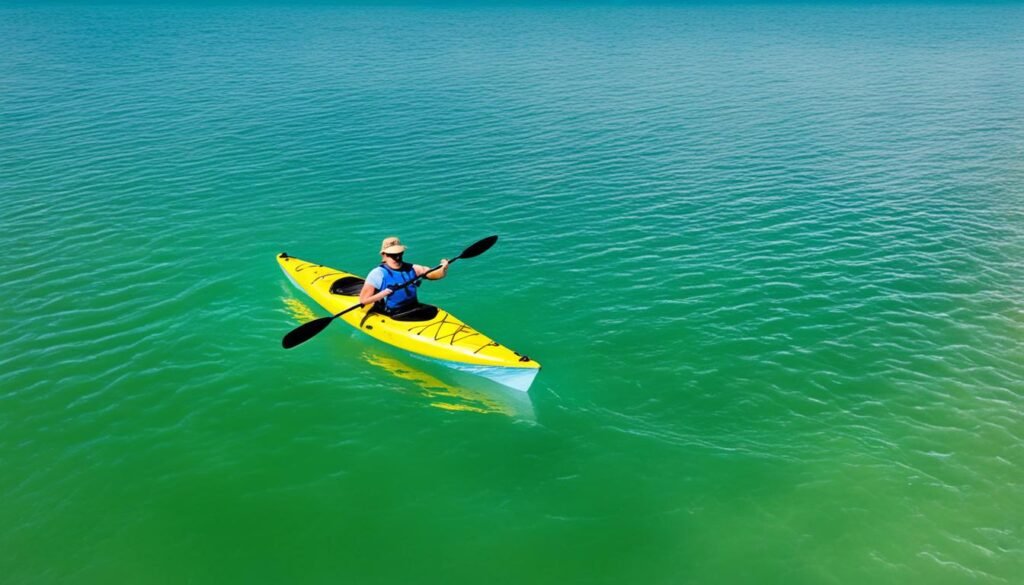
391,245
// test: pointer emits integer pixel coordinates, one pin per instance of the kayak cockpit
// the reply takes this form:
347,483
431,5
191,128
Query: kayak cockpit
417,314
348,286
420,312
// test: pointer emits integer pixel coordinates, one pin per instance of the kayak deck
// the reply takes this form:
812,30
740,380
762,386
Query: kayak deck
428,331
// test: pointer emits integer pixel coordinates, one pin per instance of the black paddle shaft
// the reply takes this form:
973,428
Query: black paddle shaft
308,330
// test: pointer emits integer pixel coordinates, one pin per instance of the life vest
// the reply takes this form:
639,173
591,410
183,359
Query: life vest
399,299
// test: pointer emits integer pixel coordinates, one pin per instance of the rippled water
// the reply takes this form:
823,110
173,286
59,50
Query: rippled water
770,257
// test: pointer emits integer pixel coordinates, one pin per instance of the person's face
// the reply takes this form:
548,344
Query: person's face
396,257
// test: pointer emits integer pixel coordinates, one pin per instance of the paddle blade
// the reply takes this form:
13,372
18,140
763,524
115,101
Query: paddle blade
479,247
305,332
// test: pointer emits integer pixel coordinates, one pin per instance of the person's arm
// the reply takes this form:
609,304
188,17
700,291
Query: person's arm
435,275
369,293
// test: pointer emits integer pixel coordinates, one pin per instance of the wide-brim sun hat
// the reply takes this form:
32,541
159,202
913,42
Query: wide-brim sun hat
391,245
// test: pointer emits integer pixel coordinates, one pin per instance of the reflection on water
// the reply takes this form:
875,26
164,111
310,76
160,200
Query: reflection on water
298,309
443,387
453,390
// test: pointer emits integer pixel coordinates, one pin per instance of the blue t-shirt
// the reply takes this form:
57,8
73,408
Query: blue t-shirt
376,278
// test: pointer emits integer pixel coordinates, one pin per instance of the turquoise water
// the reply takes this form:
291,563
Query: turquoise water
769,256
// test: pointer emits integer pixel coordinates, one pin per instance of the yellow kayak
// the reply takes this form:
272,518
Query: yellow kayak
426,331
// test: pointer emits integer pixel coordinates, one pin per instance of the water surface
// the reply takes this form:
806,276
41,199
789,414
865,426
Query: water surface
770,258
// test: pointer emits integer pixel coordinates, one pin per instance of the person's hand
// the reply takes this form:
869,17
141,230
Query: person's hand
386,292
444,264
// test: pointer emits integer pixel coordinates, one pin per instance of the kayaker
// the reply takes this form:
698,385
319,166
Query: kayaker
393,272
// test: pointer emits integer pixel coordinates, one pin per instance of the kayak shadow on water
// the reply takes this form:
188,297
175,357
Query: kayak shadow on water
443,387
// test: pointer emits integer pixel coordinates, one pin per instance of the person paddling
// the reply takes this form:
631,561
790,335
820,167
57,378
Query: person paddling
393,272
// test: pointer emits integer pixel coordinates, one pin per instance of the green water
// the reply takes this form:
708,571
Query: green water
769,256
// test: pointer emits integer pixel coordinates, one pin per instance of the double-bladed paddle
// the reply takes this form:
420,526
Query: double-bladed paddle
308,330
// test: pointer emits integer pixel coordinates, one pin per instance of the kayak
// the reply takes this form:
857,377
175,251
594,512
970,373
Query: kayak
426,331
